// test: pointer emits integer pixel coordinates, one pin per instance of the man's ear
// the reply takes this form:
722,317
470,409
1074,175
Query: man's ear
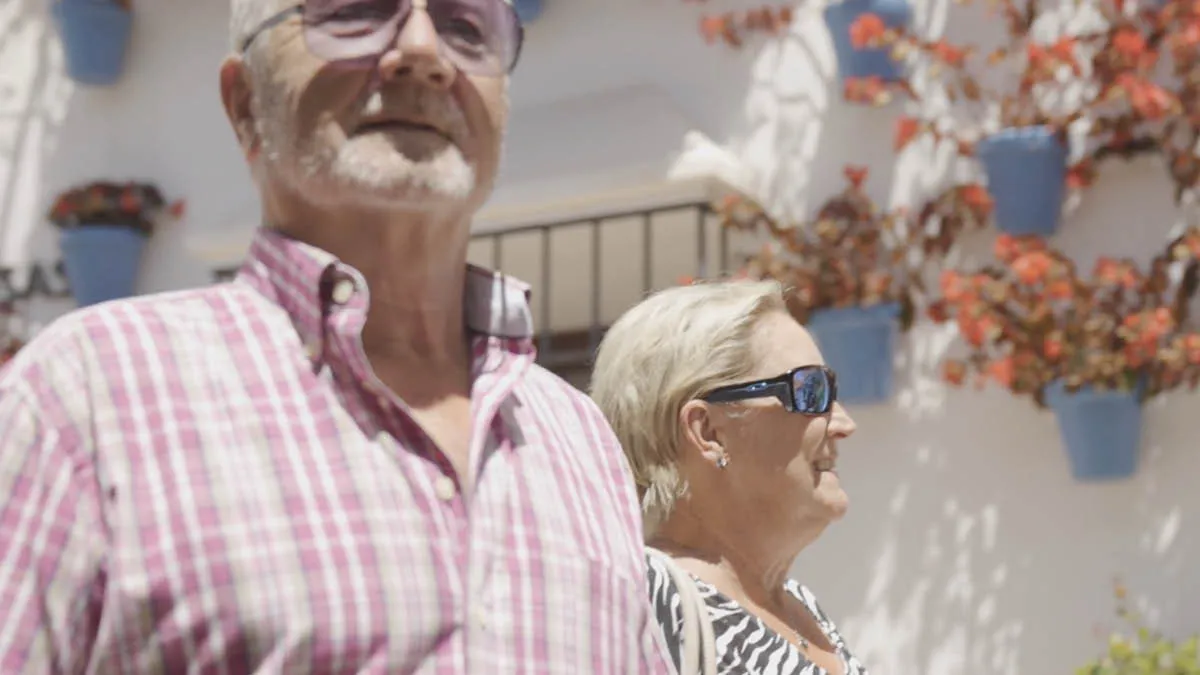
236,97
700,434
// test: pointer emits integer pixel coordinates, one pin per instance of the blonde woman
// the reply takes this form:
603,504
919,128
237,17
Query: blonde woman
731,424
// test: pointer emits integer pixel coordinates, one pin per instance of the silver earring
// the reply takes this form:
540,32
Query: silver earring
722,461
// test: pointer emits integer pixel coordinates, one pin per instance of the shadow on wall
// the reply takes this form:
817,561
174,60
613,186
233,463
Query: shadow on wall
33,97
978,552
46,136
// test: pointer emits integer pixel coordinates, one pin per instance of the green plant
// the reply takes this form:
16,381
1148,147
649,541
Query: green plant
134,205
1143,651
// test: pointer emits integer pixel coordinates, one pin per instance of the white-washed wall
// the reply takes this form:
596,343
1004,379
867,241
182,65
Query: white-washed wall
968,550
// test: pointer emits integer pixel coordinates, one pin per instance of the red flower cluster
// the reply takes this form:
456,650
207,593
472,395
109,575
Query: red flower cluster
1138,105
852,254
1031,320
731,28
134,205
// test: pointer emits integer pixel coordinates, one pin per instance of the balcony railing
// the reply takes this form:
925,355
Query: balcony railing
568,350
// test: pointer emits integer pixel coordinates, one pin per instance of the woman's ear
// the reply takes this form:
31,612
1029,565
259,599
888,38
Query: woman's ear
700,433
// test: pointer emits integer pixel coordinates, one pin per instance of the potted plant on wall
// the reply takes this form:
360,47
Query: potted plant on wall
1093,350
1029,110
1121,108
95,37
863,66
104,227
854,273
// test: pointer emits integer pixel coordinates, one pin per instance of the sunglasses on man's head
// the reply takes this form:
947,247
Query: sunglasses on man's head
810,390
481,37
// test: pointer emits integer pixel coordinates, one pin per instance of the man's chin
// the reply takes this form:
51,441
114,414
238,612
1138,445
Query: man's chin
404,188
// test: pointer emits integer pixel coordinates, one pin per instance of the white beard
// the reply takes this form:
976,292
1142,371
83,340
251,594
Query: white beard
367,169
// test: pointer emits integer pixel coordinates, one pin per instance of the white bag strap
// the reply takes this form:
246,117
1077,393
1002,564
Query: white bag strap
698,651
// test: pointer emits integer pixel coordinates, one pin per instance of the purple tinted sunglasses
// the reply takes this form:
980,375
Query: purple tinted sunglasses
481,37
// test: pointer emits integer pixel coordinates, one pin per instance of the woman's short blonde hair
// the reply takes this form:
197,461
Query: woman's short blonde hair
667,350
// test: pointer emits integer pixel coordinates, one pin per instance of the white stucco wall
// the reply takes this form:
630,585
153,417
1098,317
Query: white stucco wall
968,550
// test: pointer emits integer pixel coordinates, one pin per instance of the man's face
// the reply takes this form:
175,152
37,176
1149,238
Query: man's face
409,132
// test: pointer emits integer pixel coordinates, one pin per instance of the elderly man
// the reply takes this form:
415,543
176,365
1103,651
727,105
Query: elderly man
345,460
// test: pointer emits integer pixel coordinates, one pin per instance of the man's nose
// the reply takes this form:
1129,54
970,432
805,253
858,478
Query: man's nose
418,51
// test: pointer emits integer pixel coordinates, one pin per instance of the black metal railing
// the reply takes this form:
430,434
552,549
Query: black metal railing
573,350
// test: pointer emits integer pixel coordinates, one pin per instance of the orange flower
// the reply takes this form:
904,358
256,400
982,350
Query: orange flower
1032,267
714,28
855,174
1117,273
954,372
1003,371
1007,248
949,54
1052,346
1129,43
977,198
1063,53
1060,289
977,331
870,90
906,129
1191,347
1146,98
1080,175
954,286
866,30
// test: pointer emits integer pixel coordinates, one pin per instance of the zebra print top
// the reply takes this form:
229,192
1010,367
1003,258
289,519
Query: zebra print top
745,645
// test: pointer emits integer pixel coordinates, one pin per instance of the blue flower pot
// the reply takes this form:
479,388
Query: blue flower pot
1102,430
1026,175
102,262
95,36
858,344
528,10
854,63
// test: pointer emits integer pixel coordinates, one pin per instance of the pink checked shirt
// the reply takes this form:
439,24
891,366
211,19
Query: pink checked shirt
213,481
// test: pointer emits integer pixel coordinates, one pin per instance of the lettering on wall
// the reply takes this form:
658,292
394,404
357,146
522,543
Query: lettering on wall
38,280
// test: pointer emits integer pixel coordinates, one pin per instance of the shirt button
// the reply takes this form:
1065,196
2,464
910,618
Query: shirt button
312,349
444,489
343,290
481,619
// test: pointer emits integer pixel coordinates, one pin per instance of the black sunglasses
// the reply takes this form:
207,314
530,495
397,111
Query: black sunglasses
809,390
481,37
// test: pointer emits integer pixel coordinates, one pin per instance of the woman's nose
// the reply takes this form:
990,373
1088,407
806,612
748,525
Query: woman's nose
841,425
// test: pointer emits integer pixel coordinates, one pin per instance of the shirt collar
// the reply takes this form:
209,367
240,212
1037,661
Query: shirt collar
299,277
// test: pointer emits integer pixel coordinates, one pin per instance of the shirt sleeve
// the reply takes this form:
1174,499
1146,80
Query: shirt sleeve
52,537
